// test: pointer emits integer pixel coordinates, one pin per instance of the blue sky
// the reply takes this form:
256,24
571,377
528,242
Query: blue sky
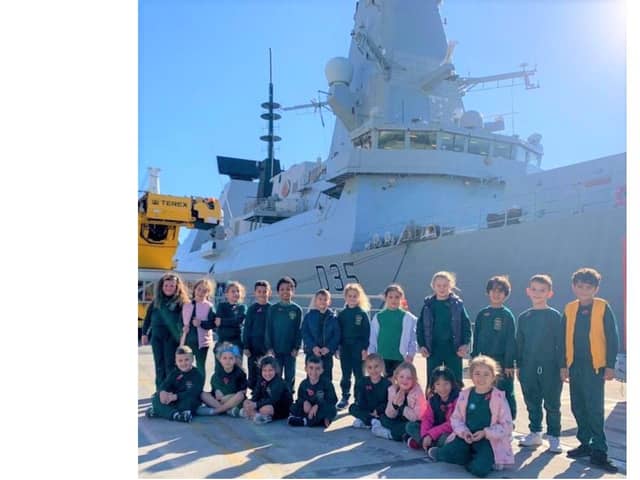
203,72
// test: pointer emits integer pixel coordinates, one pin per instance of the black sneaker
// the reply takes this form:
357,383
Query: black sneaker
184,416
600,460
297,421
343,403
150,413
580,451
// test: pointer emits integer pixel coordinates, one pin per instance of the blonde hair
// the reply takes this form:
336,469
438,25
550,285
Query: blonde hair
210,285
240,288
363,299
373,358
394,287
405,366
483,360
322,291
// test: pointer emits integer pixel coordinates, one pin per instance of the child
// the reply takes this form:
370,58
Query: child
354,338
370,393
434,426
231,314
406,403
321,332
282,335
228,384
271,399
316,402
179,395
591,348
540,355
254,328
193,314
393,331
164,321
494,335
481,423
443,330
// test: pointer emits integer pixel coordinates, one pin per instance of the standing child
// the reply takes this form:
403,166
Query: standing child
494,335
540,356
193,314
282,335
254,328
271,399
444,330
179,395
228,384
231,314
481,423
591,348
393,331
434,426
164,323
354,338
406,403
321,332
371,393
316,402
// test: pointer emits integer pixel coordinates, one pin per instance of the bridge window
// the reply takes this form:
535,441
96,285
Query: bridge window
449,141
502,150
391,139
479,146
363,141
422,140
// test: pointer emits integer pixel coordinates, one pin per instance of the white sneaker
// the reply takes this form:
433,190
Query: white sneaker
375,423
357,423
262,419
554,444
534,439
382,432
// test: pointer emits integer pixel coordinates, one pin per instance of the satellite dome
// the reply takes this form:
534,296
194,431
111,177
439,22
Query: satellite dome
534,138
338,70
471,119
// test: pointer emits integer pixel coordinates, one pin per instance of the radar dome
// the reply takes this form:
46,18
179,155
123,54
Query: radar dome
338,70
471,119
534,138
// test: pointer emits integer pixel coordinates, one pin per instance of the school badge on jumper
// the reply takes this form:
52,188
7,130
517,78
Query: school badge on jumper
225,380
497,323
486,314
310,392
189,384
358,319
292,315
320,395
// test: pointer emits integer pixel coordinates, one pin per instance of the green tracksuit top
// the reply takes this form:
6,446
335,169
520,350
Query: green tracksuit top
372,396
187,385
282,333
390,332
540,339
581,343
354,328
494,335
321,393
229,382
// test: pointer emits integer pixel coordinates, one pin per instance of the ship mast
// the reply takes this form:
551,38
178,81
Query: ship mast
270,116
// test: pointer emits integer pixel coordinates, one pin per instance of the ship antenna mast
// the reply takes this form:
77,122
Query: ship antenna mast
270,116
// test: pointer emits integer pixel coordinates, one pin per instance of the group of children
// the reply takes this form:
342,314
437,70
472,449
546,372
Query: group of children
471,427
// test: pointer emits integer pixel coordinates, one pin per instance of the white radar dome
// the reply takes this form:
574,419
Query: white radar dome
471,119
338,70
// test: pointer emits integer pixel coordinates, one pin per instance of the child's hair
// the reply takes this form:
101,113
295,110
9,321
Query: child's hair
444,373
291,281
447,275
210,285
405,366
180,296
312,359
363,300
374,357
499,282
240,288
228,347
586,275
542,278
184,350
262,283
269,360
322,291
488,362
394,287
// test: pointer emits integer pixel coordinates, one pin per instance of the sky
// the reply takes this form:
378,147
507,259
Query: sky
203,73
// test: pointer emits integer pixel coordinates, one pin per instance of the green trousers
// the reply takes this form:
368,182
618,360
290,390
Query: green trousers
540,387
587,405
445,356
413,430
167,411
397,426
163,347
477,457
324,411
350,363
505,384
360,413
200,354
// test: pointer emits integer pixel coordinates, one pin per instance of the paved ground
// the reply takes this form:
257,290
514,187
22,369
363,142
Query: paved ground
225,447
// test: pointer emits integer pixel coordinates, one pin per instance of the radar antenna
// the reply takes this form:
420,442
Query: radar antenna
465,84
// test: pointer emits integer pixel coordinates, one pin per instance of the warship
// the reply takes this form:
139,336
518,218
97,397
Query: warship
414,183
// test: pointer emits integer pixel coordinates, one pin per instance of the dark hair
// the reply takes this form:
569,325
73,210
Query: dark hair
499,282
262,283
291,281
542,278
444,373
269,360
312,359
184,349
586,275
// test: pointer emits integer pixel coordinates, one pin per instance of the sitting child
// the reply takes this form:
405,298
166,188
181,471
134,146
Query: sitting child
179,394
371,393
434,427
271,399
406,403
228,384
481,423
316,402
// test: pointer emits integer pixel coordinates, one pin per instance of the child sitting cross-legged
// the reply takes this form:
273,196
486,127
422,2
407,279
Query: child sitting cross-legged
316,402
228,384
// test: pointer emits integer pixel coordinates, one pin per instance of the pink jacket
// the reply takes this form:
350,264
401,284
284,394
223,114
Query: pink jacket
428,418
416,403
205,337
498,433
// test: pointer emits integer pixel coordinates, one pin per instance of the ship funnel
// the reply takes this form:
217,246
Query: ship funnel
338,70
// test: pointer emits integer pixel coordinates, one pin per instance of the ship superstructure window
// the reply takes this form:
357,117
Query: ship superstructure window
363,141
391,139
502,150
422,140
449,141
479,146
